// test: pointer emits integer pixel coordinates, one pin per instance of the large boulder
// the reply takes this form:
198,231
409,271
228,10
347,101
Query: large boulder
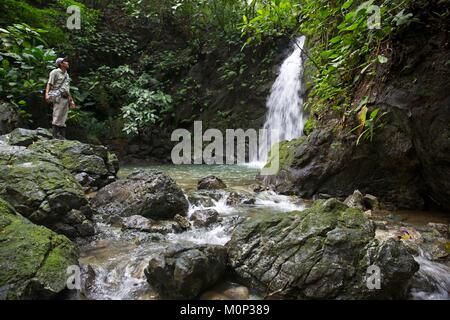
151,194
39,187
323,252
185,272
33,259
92,165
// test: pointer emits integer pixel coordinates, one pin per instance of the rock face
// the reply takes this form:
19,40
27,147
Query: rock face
33,259
151,194
184,272
93,166
321,253
407,164
42,190
211,183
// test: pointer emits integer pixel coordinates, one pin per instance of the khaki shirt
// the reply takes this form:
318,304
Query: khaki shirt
58,80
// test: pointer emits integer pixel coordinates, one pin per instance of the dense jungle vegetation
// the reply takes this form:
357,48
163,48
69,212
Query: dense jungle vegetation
133,62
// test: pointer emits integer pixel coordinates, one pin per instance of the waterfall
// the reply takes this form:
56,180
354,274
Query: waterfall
285,117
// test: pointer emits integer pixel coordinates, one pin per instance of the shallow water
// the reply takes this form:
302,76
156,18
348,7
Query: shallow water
118,258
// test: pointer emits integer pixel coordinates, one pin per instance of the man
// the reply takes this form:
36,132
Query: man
57,92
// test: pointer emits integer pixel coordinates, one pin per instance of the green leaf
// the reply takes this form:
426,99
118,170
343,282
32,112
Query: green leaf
347,4
382,59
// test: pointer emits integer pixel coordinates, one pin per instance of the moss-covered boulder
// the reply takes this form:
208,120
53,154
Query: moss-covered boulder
39,187
93,166
33,259
321,253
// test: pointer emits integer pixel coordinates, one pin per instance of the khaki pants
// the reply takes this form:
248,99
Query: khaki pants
60,112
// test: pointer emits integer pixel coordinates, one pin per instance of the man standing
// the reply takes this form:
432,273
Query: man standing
57,92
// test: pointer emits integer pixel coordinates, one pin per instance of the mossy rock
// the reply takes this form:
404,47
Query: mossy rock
33,259
39,187
93,166
320,253
286,152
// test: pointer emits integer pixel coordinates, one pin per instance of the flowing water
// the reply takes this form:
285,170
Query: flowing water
285,118
113,264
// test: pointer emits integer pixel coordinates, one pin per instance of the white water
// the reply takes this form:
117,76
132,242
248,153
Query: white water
285,119
436,276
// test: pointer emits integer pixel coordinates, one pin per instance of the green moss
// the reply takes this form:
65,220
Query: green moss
286,152
30,252
309,127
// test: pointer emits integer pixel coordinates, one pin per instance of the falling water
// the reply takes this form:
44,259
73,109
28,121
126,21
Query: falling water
285,117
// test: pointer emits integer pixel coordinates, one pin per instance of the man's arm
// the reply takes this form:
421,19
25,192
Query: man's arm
50,82
47,89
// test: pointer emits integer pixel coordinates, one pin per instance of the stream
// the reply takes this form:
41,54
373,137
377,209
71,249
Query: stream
113,262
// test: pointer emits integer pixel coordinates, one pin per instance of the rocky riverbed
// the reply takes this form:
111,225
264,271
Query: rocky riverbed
197,232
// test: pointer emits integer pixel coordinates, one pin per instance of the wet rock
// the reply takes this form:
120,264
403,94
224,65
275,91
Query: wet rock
204,218
39,187
200,200
150,194
182,222
258,187
211,183
25,137
441,228
137,223
184,272
237,293
321,253
236,198
114,220
92,165
33,259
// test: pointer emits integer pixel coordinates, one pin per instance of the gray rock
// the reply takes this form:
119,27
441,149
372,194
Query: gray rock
211,183
92,165
185,272
137,223
355,200
151,194
321,253
25,137
236,198
204,218
39,187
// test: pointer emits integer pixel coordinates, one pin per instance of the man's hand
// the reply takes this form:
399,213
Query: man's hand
47,98
72,104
